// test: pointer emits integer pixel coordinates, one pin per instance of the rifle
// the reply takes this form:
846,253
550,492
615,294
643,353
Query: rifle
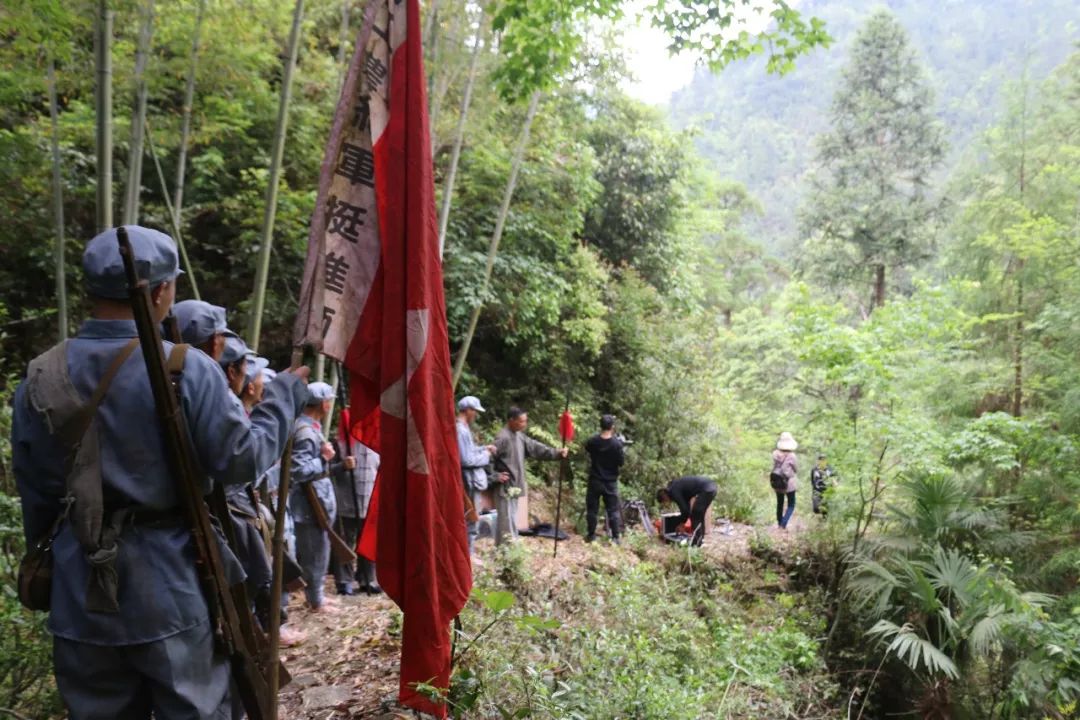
248,675
254,636
338,546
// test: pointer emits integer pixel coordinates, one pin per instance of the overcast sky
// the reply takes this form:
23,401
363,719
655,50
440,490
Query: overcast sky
658,74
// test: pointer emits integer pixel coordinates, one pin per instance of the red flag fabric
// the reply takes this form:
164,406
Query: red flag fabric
373,297
566,427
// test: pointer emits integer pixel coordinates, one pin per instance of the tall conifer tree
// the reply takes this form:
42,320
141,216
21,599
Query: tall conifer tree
869,209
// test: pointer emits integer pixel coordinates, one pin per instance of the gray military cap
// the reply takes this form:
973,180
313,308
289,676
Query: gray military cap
469,402
199,321
235,349
319,391
155,260
256,365
269,375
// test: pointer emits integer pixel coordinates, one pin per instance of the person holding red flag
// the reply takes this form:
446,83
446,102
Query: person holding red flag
512,446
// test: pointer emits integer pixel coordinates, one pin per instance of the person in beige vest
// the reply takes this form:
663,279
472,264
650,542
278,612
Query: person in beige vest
512,446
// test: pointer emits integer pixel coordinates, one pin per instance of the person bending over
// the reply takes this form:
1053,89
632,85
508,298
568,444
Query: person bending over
681,491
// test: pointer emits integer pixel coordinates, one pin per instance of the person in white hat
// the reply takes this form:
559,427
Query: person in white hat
475,458
783,477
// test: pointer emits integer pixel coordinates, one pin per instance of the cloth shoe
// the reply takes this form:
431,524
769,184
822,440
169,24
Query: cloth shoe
288,637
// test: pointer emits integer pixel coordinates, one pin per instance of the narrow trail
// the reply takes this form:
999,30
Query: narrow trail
347,666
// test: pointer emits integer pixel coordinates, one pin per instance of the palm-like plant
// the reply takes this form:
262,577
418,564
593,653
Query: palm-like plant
937,601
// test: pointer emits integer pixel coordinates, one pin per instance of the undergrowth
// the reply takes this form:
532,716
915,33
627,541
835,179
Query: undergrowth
642,632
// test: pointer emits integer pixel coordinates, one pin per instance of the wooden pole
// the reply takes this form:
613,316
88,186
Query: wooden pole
277,549
496,236
58,208
185,122
103,113
262,270
138,118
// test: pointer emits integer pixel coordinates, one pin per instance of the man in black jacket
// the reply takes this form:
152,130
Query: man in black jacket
681,491
606,457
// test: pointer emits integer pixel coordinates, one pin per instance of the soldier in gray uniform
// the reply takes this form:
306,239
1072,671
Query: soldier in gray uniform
312,464
141,644
353,490
202,326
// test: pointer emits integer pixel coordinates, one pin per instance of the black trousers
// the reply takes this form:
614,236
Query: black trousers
609,491
702,501
344,573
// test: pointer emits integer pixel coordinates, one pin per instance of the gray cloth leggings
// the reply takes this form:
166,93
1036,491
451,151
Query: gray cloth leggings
313,554
177,678
364,570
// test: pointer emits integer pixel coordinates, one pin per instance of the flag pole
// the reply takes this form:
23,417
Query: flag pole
562,471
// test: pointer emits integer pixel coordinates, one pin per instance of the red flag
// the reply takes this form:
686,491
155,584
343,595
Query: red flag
566,427
374,285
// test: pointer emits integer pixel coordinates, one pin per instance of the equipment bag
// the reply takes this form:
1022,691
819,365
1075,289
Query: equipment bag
51,394
779,482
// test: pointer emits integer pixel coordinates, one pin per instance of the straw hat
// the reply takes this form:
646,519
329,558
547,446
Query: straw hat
786,442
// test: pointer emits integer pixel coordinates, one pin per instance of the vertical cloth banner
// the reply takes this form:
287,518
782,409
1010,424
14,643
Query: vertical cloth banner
372,298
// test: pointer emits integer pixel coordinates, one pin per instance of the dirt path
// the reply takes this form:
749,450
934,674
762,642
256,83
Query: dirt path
347,667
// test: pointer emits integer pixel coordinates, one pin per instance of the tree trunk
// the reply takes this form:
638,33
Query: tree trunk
459,136
138,118
58,208
429,25
185,124
173,215
103,113
1018,347
879,286
270,211
496,236
431,43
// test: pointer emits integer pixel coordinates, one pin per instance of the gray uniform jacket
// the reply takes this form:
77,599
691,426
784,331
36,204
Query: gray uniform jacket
363,477
474,459
309,467
511,450
159,593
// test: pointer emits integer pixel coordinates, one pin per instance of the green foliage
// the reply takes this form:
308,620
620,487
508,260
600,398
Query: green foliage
636,641
643,167
725,32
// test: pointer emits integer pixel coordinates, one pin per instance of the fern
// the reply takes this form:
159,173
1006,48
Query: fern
914,650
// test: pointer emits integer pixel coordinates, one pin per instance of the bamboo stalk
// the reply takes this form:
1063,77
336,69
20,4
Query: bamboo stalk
185,124
58,207
496,236
177,235
263,268
459,136
103,113
138,117
343,43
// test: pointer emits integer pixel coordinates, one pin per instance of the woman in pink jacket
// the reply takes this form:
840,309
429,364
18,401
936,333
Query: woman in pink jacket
785,468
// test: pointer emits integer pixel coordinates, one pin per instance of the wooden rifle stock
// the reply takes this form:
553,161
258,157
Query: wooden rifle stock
338,546
249,677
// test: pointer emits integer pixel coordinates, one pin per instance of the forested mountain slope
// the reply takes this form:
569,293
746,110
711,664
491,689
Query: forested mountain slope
759,129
